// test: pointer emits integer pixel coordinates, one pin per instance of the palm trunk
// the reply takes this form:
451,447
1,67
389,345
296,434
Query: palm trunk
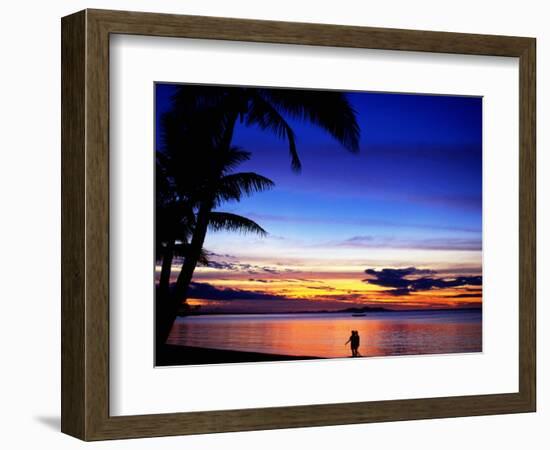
163,298
195,248
166,270
167,308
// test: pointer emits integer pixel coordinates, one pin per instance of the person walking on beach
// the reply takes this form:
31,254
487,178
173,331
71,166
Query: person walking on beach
354,341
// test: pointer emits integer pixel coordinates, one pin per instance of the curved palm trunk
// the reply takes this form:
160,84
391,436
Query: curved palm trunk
167,308
162,298
166,270
195,248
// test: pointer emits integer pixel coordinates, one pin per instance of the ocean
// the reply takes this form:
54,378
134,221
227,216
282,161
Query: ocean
324,334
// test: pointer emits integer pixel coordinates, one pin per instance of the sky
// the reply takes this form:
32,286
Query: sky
396,225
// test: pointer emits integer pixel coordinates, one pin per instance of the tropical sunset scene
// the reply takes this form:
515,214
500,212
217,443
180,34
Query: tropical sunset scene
296,224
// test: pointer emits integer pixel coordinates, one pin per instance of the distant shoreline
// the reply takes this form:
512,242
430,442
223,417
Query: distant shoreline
344,311
182,355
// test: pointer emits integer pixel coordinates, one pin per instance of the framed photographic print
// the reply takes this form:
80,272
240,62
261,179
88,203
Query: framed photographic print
272,225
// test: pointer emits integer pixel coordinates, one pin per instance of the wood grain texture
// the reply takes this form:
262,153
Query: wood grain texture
73,111
85,224
527,224
151,24
97,225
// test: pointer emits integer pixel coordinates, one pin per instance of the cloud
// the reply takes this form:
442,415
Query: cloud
458,244
465,295
206,291
358,221
410,279
259,281
219,255
321,288
273,280
248,268
464,270
308,280
223,265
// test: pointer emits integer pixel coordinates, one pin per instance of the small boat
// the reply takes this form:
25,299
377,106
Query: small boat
358,315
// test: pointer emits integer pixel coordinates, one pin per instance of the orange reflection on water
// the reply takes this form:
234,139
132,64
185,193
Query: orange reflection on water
324,335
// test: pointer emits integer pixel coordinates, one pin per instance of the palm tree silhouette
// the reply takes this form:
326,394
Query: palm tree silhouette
179,222
269,109
174,219
207,116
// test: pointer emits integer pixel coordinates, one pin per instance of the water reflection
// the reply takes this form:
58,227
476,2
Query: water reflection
324,335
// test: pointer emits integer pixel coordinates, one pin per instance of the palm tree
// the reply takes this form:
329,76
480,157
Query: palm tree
208,115
220,184
179,178
174,220
269,109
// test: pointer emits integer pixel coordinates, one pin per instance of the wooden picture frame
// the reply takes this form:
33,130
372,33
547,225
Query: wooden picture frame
85,224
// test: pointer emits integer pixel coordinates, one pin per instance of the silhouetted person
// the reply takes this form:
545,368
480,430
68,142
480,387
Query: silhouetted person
354,341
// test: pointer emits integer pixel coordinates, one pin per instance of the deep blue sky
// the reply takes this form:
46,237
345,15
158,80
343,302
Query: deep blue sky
411,198
419,164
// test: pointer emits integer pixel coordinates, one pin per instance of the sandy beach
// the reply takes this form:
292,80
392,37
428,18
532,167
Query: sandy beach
179,355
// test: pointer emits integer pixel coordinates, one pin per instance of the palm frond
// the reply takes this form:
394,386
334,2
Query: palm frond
263,114
329,110
209,112
230,159
236,185
190,98
173,221
232,222
203,258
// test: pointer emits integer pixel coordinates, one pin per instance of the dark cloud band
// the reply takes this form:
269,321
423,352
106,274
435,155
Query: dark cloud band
410,279
206,291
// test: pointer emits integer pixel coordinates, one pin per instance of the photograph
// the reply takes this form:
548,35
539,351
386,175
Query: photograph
295,224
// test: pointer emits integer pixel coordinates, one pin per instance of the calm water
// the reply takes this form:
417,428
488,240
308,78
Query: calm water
324,335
